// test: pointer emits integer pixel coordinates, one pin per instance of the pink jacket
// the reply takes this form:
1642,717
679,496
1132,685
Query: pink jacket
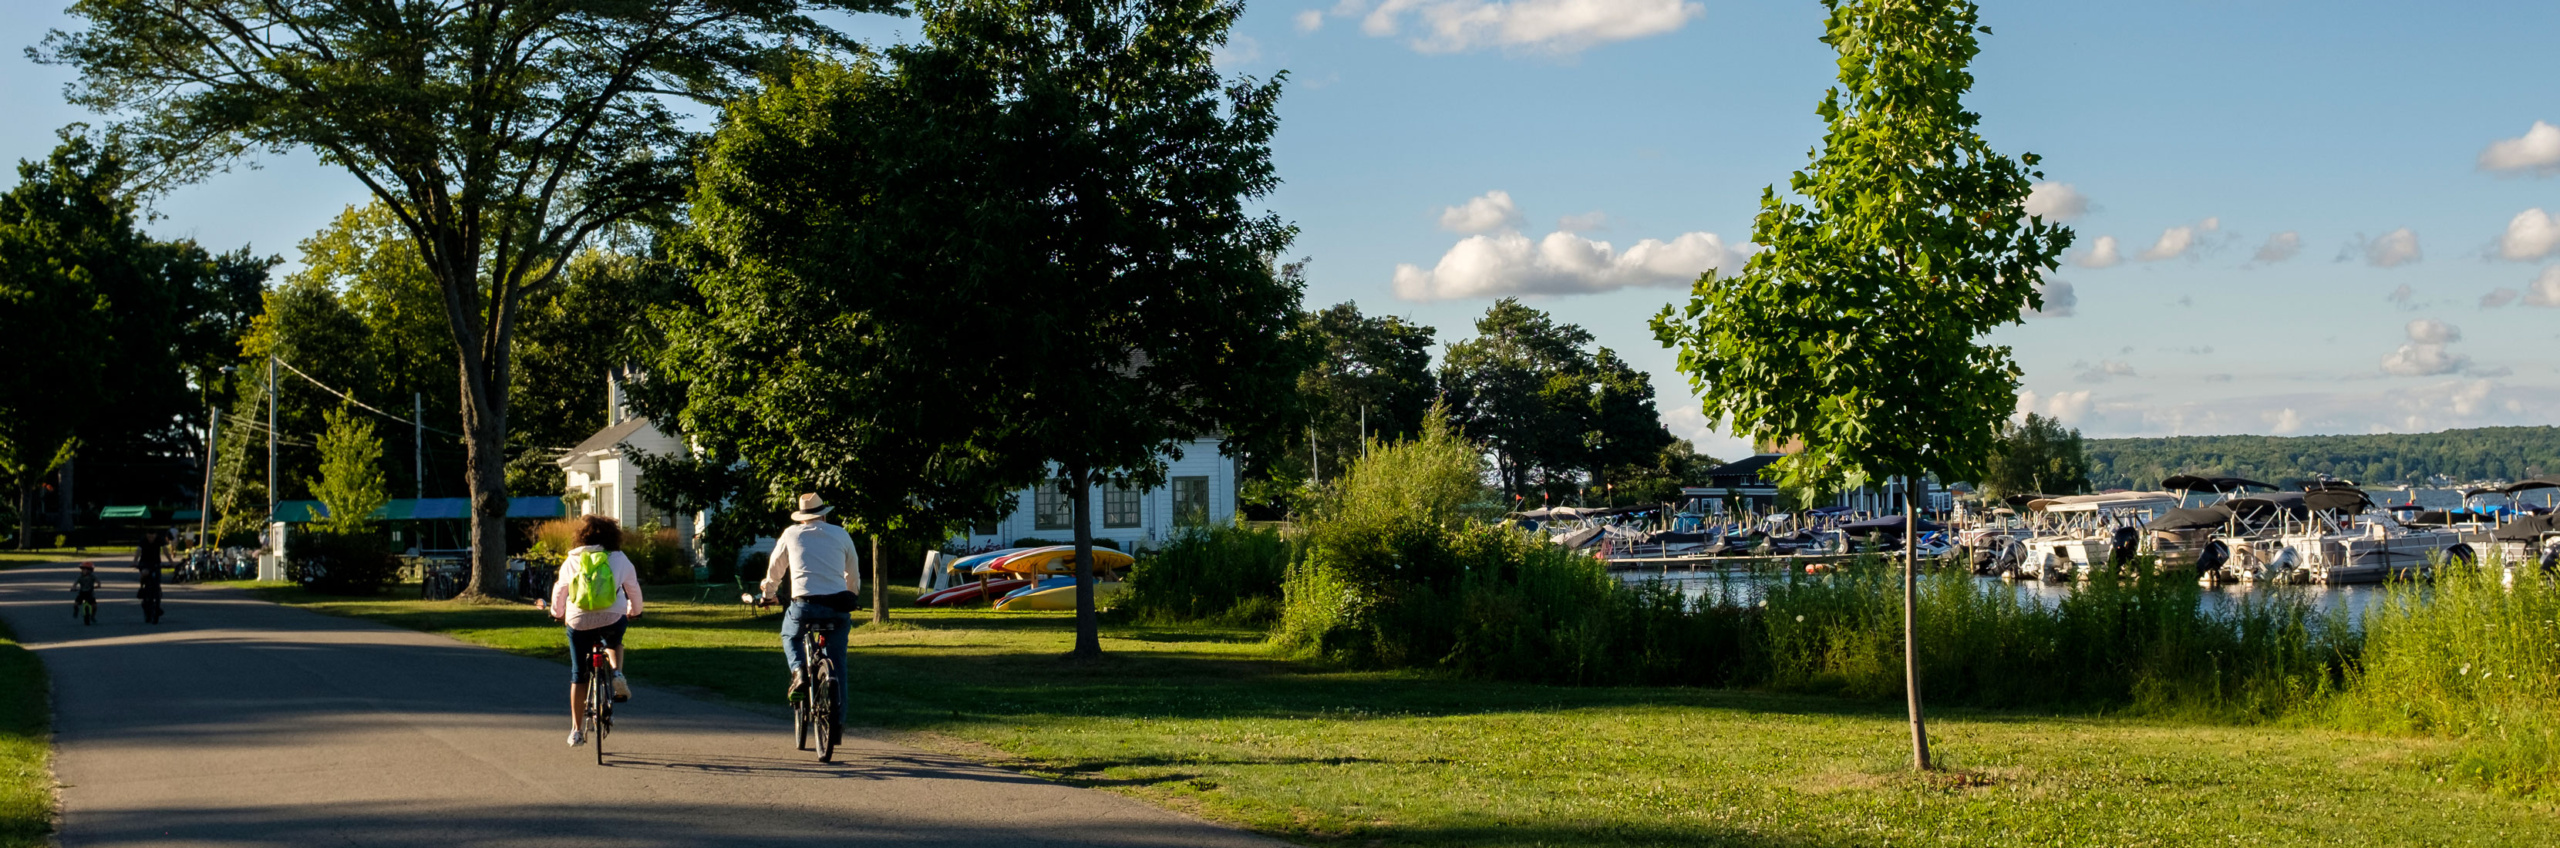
628,602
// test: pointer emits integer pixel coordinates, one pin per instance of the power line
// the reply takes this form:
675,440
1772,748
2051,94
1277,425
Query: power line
350,399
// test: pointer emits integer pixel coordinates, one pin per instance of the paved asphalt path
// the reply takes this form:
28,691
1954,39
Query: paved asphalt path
237,722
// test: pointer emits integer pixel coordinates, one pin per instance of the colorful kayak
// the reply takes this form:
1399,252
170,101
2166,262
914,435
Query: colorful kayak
1057,559
969,592
968,564
1056,593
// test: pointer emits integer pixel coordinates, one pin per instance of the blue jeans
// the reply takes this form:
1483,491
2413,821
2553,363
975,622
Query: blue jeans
582,641
799,616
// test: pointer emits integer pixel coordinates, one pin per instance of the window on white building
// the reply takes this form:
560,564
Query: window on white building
1050,508
604,501
1119,507
1191,500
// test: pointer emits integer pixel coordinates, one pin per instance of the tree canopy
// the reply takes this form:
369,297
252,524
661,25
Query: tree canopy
2037,455
1856,331
501,135
1557,415
2456,456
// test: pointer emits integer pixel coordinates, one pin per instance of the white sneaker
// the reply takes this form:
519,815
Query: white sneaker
621,688
577,737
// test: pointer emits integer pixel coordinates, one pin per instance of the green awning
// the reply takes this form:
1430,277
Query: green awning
424,509
125,512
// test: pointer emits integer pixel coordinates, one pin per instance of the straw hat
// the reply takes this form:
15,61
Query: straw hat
812,508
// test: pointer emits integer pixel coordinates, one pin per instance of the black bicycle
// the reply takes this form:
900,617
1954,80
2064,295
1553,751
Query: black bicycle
599,713
814,715
84,606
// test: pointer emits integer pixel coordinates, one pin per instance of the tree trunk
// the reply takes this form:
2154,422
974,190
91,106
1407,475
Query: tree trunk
879,584
62,515
1911,623
1088,631
484,429
26,501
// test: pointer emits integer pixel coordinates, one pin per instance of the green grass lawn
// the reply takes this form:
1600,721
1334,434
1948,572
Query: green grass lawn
1201,719
101,554
26,748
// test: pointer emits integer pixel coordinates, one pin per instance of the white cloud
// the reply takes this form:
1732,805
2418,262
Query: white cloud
2056,202
2175,241
1583,223
2106,369
1508,263
2279,247
1687,421
1237,51
2425,354
2068,407
2060,301
1544,26
2537,152
1310,20
1493,211
2394,249
2545,288
2432,331
2285,422
2101,254
2532,234
2498,297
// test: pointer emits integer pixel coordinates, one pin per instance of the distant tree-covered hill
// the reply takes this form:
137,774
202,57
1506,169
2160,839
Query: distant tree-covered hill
2487,453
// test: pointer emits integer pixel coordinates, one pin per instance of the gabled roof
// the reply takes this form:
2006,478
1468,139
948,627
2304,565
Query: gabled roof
1746,467
604,440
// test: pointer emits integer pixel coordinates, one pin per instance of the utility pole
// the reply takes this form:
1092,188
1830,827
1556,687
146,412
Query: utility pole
204,513
1364,431
418,443
271,446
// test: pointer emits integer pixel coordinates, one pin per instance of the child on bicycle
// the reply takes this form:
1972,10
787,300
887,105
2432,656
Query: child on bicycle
597,594
84,593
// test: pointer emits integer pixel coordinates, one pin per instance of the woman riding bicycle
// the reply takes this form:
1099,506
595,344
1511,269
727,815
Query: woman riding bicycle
597,594
816,560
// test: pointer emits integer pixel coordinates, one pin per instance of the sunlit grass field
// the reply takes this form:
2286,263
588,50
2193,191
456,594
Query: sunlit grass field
1205,720
26,748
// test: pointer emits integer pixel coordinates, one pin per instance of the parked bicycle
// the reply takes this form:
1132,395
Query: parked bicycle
814,714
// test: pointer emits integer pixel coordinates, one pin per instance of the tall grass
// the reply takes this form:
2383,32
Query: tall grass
1218,573
2470,655
656,552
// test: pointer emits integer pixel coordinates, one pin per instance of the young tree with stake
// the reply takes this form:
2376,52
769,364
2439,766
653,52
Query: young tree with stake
1856,330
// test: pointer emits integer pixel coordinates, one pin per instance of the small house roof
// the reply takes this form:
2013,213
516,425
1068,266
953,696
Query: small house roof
604,440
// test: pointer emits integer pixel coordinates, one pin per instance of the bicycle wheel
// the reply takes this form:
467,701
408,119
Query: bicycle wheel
599,677
822,708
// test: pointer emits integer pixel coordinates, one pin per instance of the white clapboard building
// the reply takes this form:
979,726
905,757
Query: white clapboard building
1199,487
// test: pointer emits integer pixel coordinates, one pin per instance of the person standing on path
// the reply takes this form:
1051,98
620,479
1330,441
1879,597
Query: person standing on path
146,559
816,562
597,595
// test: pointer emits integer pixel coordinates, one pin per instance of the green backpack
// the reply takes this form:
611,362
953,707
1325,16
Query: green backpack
592,586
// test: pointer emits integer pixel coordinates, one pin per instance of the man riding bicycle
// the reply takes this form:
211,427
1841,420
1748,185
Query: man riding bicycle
816,562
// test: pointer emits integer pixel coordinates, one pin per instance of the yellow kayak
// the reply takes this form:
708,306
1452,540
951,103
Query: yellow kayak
1059,597
1060,559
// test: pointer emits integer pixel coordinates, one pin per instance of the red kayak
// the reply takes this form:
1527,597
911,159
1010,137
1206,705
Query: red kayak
968,592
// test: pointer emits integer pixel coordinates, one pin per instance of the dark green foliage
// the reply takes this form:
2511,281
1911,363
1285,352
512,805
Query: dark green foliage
2485,453
1372,375
344,563
1218,573
2039,456
1557,415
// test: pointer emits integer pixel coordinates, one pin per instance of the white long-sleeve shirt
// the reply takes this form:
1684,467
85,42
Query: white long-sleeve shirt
816,558
626,602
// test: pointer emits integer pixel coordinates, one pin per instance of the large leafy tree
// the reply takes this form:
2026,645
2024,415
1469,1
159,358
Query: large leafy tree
1856,332
2038,455
839,334
1372,376
1556,414
501,134
1146,288
53,319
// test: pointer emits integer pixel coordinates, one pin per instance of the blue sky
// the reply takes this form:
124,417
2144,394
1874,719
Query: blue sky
2397,144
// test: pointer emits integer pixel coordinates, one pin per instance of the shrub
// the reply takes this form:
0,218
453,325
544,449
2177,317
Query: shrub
656,552
2473,656
342,563
1219,573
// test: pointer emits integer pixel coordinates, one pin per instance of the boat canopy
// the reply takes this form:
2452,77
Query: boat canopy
2193,518
2109,502
2191,483
2336,500
2547,481
2287,504
2527,529
1890,525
